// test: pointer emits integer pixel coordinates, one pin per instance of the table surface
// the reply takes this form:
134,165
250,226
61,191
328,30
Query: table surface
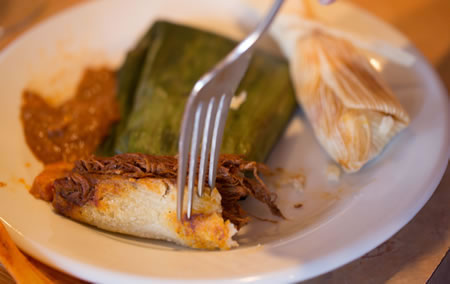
412,254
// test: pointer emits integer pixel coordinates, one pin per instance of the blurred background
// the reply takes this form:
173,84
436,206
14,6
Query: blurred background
425,22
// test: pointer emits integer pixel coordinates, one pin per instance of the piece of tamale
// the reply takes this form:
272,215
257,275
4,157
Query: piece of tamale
175,58
352,110
135,194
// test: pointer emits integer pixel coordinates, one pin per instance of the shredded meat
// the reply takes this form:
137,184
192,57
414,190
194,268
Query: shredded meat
236,179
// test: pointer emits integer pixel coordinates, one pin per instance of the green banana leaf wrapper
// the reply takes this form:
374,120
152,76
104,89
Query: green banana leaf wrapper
159,73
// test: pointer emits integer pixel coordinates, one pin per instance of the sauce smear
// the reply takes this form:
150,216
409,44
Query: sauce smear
74,129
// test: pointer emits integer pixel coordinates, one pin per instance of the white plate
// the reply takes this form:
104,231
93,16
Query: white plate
338,222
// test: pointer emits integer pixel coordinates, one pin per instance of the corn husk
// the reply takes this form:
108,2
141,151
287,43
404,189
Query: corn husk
353,112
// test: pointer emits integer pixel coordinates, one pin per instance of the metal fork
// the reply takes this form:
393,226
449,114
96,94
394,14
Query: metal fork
206,112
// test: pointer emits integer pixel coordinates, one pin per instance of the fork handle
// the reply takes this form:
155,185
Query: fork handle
249,42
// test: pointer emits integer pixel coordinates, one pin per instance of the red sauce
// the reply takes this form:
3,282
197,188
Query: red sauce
74,129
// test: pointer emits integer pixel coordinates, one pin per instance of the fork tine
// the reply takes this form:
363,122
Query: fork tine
206,143
183,150
227,72
219,125
198,126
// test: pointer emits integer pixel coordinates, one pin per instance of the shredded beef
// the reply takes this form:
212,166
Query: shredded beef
236,179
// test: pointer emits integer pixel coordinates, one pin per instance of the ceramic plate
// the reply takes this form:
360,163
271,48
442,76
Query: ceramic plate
338,222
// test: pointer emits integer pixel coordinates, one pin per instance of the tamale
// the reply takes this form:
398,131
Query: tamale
353,112
135,194
176,57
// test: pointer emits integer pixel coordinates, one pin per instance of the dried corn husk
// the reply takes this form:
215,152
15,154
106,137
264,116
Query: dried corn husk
353,112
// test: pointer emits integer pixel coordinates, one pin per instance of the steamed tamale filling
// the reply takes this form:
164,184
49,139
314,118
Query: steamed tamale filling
78,186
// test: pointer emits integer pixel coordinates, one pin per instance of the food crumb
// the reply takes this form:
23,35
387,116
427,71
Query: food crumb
282,178
298,205
22,181
2,184
333,173
329,196
238,100
27,165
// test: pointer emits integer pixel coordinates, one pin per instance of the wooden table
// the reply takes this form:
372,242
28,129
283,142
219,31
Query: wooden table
414,252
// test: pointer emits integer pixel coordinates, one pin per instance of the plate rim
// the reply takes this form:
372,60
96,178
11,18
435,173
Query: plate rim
290,274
